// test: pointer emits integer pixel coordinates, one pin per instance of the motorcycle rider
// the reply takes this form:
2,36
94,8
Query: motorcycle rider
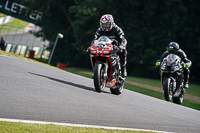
112,31
174,48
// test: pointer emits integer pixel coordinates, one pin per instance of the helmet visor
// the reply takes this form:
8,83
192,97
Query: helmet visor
106,26
171,50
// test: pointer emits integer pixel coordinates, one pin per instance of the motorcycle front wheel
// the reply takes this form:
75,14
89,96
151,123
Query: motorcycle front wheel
99,81
167,89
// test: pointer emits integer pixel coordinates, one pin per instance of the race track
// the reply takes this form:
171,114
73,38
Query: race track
31,91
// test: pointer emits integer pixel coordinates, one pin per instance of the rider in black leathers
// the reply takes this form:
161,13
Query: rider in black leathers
174,48
111,30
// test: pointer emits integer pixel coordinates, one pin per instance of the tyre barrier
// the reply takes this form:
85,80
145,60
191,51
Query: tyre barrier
24,50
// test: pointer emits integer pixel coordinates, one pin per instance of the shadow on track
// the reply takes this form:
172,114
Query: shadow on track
65,82
68,83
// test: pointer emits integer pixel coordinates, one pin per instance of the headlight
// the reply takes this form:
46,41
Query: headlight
176,68
94,52
105,52
99,51
163,67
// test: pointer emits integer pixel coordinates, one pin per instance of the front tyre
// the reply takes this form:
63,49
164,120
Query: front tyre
99,81
167,89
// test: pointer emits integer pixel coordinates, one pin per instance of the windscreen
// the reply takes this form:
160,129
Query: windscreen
102,41
172,59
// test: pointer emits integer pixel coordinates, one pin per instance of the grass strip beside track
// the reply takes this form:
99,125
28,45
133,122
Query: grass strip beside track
16,26
13,127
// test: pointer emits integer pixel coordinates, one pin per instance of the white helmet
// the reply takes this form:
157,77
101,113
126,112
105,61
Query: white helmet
106,22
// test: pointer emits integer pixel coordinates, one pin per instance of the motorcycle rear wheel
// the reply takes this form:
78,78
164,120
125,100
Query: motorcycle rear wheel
99,81
117,90
167,89
178,99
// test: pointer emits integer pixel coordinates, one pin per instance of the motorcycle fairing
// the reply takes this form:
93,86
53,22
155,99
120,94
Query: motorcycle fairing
171,67
111,84
101,50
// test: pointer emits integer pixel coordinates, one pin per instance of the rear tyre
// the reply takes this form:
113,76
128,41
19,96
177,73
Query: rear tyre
178,99
168,89
99,81
118,90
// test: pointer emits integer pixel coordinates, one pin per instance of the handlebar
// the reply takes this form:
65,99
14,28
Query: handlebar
117,48
88,49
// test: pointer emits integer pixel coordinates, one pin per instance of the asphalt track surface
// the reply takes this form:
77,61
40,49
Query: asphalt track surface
31,91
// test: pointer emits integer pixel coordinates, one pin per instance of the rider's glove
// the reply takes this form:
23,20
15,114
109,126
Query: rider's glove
186,65
116,48
157,63
120,48
88,49
114,43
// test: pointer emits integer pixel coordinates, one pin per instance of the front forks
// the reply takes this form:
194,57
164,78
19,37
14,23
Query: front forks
105,76
173,83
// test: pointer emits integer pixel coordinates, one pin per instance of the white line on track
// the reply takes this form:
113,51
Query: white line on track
78,125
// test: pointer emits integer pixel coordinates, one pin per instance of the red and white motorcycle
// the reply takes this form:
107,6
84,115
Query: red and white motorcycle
106,66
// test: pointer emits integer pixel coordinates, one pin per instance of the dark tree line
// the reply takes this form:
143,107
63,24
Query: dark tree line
149,26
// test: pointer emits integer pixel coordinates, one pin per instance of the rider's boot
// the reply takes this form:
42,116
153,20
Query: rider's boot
186,85
184,91
186,81
124,72
123,62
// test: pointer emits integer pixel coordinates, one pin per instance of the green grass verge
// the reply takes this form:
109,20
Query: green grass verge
144,91
79,73
8,127
17,23
153,82
194,89
2,15
15,26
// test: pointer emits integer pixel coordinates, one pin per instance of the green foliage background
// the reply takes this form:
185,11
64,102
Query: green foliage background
149,26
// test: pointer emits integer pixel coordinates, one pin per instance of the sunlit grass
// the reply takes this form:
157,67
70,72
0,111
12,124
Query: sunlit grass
17,23
9,127
15,26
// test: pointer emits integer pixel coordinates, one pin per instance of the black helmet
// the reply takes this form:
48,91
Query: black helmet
173,47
